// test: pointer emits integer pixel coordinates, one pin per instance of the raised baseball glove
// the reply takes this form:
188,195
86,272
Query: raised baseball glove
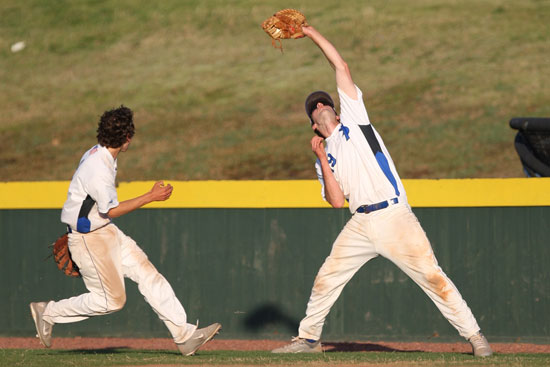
284,24
62,257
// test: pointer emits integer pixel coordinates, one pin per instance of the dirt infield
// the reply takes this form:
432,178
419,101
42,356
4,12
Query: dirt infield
221,344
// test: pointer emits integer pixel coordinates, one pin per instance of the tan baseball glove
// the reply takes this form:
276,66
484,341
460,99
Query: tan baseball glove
284,24
62,257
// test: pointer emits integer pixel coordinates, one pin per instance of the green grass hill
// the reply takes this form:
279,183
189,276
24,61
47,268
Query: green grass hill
214,100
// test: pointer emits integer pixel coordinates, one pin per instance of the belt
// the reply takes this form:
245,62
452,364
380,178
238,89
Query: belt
374,207
70,230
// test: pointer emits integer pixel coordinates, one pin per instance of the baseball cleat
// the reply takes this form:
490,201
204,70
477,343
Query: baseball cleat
43,328
300,345
198,339
480,345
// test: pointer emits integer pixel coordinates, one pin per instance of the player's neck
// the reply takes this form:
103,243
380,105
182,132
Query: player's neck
114,151
331,127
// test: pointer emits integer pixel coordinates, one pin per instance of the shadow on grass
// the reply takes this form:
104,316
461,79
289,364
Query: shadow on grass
369,347
115,350
362,347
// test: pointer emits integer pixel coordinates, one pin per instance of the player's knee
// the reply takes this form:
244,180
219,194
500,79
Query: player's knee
117,302
106,303
116,297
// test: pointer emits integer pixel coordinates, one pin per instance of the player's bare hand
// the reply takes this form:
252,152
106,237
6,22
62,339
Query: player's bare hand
318,146
160,191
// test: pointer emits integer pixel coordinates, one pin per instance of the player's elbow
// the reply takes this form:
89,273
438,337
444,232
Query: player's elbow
113,212
337,203
341,65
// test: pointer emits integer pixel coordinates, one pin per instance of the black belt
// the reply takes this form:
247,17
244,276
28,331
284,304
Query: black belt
374,207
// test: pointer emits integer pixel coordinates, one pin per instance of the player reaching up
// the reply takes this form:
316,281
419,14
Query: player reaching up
354,165
105,255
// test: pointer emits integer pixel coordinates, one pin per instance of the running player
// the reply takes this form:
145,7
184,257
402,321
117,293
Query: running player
103,253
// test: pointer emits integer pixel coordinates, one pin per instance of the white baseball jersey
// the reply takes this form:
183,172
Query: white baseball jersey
359,159
92,191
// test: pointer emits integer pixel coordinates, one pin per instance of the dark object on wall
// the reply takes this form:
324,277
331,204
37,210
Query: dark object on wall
532,143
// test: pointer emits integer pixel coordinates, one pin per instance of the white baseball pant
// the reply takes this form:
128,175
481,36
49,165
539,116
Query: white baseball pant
396,234
105,257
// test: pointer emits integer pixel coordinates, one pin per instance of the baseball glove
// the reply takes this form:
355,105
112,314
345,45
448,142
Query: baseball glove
62,257
284,24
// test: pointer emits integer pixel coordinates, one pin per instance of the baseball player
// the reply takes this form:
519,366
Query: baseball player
103,253
354,165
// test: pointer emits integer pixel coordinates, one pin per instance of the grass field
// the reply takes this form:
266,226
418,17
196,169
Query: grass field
122,357
214,100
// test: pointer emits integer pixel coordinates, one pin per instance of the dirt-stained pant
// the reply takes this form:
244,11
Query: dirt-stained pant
105,257
396,234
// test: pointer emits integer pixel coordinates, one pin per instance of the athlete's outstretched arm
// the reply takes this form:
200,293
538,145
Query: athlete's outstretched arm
159,192
343,75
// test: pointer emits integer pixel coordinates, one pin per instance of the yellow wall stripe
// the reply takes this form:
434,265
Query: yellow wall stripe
291,193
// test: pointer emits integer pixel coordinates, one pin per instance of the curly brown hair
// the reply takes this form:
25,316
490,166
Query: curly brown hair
115,127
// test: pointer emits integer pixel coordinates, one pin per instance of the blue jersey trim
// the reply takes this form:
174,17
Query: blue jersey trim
368,131
383,163
83,225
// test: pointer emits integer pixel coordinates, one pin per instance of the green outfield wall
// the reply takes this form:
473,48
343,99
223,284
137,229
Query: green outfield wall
249,261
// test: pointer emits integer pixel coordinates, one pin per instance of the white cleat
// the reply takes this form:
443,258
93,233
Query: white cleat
480,345
199,338
300,345
43,328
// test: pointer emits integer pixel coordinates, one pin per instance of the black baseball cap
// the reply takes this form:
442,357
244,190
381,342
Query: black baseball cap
314,98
